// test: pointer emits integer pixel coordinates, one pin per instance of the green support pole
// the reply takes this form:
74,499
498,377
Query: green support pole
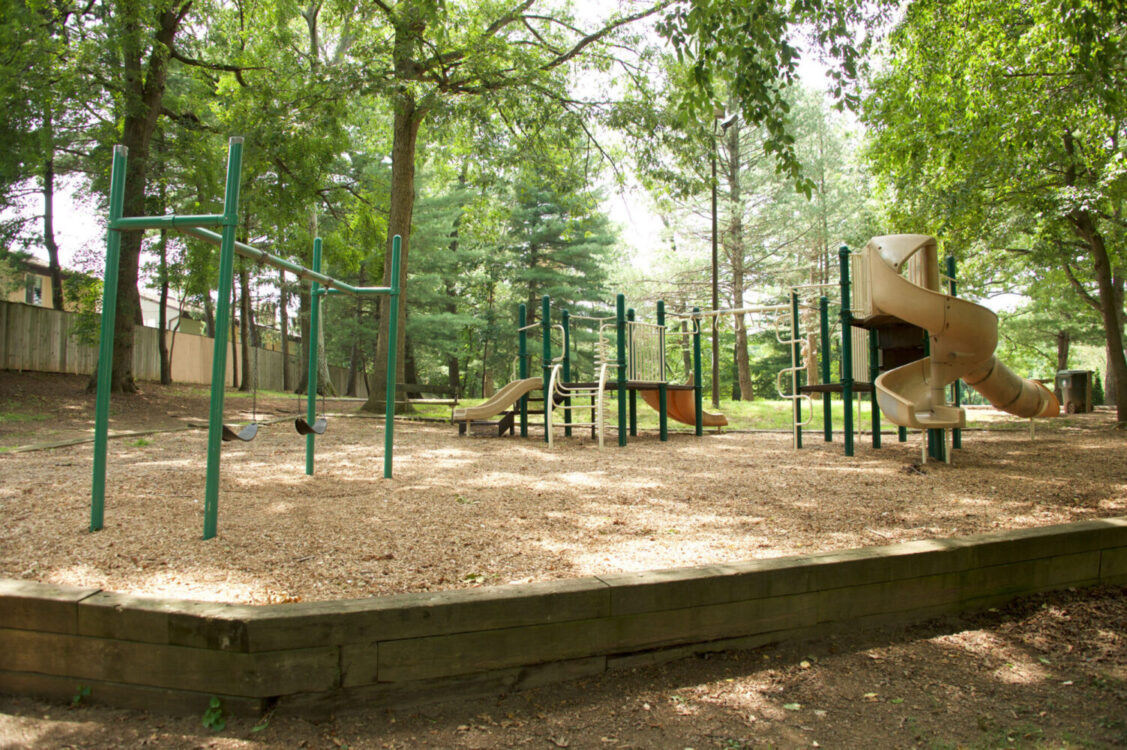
698,390
105,344
874,370
633,392
546,354
393,335
311,379
522,365
956,435
222,326
565,319
620,329
663,388
846,350
827,403
901,434
796,355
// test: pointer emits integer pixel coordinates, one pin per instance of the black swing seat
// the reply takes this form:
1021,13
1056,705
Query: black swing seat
317,428
246,434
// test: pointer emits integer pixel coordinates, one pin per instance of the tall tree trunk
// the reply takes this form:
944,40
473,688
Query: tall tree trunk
410,370
49,212
143,89
1111,309
208,315
284,328
356,360
453,374
408,117
162,312
245,327
1064,341
303,354
734,249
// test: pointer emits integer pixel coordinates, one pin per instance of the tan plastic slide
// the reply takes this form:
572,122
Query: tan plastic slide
681,405
963,337
500,401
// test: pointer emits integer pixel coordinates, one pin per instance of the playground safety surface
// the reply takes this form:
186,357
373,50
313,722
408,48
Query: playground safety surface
465,512
1046,671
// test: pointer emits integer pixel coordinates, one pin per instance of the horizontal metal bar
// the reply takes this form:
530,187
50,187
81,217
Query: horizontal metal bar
262,256
729,311
127,223
368,291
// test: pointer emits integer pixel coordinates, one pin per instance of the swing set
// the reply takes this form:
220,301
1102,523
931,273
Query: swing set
311,424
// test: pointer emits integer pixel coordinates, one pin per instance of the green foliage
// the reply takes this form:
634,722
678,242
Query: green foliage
84,295
746,49
80,695
214,717
1003,137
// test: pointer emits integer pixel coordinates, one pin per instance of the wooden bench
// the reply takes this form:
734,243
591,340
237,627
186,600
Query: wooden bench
434,395
502,425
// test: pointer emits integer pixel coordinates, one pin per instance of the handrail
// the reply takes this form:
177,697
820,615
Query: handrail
556,387
550,400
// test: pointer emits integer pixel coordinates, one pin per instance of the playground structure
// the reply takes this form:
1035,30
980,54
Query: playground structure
629,358
320,285
905,338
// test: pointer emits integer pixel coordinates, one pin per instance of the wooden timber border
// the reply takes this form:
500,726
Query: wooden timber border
318,657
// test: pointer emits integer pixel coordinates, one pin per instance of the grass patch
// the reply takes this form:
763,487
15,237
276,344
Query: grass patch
13,416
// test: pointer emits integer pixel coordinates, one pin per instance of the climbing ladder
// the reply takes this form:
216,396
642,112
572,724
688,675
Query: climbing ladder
564,399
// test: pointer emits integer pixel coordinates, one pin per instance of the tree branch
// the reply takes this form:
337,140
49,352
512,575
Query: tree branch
1085,295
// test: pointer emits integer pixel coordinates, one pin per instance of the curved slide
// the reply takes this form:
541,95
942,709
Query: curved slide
681,405
499,401
963,337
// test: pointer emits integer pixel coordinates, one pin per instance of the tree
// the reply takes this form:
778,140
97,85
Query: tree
440,52
1000,125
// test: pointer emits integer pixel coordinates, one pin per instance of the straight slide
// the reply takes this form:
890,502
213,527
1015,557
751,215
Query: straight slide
499,401
963,337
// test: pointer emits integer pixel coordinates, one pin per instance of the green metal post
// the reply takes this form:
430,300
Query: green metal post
901,434
633,392
620,329
393,336
827,403
222,325
846,350
314,337
565,318
105,344
522,365
874,370
698,391
956,435
663,387
796,358
546,354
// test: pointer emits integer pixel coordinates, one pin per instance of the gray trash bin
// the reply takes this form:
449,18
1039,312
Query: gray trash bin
1074,389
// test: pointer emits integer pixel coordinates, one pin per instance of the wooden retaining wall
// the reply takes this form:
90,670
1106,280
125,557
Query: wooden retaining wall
311,658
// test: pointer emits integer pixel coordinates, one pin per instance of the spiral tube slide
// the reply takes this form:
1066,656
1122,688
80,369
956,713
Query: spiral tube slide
963,338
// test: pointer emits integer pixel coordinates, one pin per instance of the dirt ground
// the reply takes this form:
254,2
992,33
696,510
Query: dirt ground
464,512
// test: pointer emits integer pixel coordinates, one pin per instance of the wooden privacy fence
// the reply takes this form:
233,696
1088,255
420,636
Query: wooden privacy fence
41,339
